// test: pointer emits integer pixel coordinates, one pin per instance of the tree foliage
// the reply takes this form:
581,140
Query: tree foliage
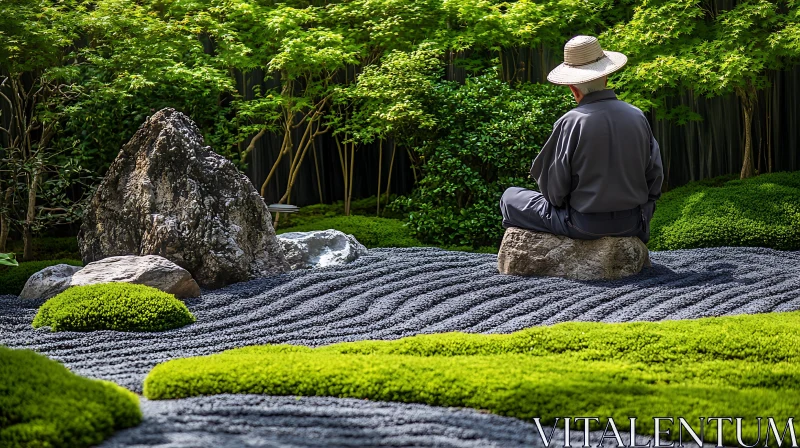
358,70
36,85
690,45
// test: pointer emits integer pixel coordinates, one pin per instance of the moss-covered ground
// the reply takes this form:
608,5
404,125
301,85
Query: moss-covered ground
763,211
42,404
745,366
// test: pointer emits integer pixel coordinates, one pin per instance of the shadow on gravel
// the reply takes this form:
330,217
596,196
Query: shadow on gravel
665,277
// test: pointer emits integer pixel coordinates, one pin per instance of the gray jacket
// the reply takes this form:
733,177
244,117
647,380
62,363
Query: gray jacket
601,157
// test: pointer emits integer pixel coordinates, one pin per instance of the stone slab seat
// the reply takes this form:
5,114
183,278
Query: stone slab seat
527,253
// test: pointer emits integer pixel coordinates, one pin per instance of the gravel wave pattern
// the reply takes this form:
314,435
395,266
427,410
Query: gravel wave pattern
233,421
391,293
255,420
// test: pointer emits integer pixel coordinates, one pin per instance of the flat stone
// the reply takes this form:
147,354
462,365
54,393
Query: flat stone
168,194
306,250
525,252
150,270
49,282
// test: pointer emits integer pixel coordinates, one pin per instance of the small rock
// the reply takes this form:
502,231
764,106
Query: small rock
305,250
49,282
525,252
150,270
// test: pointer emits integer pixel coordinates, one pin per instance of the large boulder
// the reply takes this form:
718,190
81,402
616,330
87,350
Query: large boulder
149,270
525,252
49,282
305,250
167,194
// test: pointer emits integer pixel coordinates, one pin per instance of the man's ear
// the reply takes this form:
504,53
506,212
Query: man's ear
576,93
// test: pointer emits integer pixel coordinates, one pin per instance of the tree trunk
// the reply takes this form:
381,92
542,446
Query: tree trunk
747,98
5,225
30,216
380,169
347,168
285,145
350,183
316,168
389,177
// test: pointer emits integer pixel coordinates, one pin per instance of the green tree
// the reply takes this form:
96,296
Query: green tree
688,45
393,100
37,61
136,58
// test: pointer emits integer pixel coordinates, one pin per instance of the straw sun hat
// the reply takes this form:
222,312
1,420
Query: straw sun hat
584,61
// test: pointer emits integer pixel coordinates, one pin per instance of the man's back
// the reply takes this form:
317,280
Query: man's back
601,157
599,173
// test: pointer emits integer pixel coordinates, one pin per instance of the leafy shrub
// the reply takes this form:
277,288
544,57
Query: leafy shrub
691,368
369,231
113,306
489,135
44,404
8,260
759,211
12,280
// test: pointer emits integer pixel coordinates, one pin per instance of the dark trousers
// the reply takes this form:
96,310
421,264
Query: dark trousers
528,209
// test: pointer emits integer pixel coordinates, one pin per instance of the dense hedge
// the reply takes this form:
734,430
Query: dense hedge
113,306
691,368
489,135
12,279
42,404
759,211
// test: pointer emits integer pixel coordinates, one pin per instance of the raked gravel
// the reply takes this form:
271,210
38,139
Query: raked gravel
388,294
234,421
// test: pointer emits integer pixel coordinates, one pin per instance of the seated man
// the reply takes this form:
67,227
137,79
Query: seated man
600,171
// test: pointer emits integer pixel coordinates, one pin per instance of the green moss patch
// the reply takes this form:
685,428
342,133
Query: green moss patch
43,404
113,306
12,279
762,211
369,231
366,207
747,366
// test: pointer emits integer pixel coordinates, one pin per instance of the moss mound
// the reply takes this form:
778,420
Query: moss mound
113,306
12,279
369,231
742,365
43,404
761,211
